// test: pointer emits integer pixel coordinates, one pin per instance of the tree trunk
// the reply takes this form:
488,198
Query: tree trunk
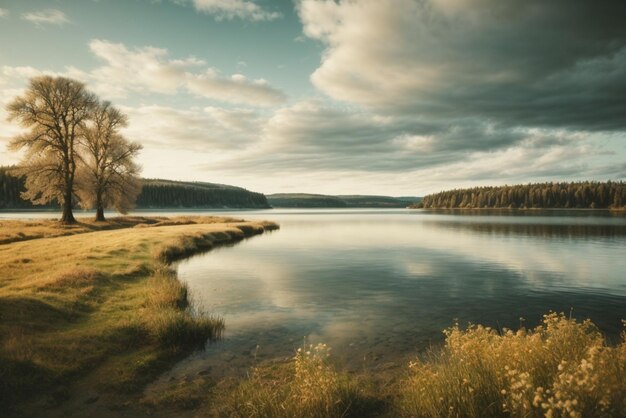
99,207
68,215
100,214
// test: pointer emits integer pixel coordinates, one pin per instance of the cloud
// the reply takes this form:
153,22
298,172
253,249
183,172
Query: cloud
3,12
49,16
393,152
149,69
533,63
202,129
235,9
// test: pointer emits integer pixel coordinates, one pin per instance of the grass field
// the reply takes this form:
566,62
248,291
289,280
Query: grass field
98,303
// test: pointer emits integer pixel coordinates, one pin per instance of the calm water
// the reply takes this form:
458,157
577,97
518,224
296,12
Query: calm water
380,285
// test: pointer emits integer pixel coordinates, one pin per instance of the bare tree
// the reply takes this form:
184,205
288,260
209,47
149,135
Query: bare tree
54,110
109,175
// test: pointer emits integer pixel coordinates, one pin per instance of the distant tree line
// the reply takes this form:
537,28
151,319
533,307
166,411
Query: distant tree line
10,189
306,200
583,195
155,194
170,194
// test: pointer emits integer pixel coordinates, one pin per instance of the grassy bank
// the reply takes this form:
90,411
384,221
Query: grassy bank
562,368
96,305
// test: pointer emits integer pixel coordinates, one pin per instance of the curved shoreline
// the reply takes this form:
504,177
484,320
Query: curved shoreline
94,314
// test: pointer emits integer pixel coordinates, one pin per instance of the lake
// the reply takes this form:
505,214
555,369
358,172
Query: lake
379,286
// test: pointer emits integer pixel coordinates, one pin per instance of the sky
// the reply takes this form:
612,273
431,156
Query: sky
389,97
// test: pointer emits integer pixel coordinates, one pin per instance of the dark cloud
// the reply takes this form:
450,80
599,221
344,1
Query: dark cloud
559,63
313,136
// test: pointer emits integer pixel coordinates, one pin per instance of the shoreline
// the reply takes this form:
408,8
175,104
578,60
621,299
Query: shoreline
90,316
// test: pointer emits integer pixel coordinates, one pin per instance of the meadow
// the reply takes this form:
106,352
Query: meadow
95,307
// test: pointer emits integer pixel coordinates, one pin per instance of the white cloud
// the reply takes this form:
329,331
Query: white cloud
23,72
49,16
149,69
3,12
235,9
201,129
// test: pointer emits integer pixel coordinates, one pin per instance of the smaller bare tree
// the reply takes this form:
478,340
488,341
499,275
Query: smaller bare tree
108,176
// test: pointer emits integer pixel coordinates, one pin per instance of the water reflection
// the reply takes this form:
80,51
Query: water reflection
380,285
545,230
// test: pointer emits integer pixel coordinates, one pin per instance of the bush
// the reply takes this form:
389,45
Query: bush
561,368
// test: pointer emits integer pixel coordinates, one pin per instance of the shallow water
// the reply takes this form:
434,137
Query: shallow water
380,285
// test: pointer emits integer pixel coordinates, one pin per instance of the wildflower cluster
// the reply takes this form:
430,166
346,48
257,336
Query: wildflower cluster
308,387
561,368
316,380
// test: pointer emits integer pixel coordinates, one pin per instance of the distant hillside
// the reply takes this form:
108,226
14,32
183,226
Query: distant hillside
579,195
155,194
306,200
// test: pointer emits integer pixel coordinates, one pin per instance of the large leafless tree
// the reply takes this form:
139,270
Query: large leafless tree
54,110
108,176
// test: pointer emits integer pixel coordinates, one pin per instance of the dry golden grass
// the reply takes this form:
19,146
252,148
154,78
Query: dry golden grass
101,302
562,368
308,387
14,230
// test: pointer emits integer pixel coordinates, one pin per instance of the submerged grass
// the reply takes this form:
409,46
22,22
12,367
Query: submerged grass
101,306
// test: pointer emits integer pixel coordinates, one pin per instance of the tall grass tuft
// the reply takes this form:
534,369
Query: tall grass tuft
174,329
562,368
308,387
173,319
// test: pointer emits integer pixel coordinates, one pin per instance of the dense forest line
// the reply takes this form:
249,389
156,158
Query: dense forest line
307,200
578,195
155,194
10,189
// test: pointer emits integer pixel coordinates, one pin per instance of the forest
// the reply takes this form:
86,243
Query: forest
576,195
155,194
10,189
